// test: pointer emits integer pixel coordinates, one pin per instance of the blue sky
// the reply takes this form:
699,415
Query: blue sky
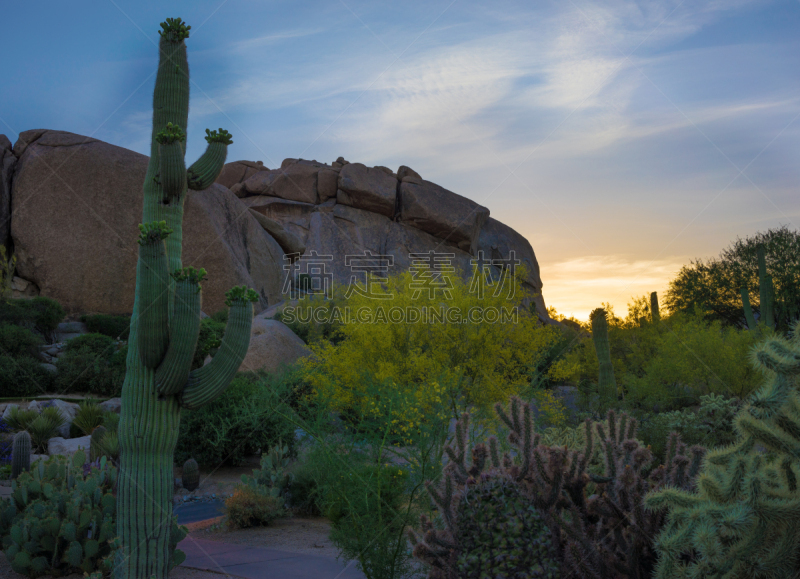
623,139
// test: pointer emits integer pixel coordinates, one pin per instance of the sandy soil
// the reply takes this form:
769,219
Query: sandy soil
305,535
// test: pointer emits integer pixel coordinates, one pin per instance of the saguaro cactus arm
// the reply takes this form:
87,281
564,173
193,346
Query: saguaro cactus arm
207,168
185,329
153,337
171,165
208,382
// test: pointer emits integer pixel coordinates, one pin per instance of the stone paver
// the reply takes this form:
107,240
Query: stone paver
262,563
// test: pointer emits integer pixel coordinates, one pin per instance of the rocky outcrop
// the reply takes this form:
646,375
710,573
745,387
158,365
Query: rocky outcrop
272,344
7,163
77,196
372,190
238,172
442,213
295,181
290,243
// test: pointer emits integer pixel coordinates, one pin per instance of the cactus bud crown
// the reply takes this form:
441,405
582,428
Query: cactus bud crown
174,30
240,295
222,136
153,231
170,134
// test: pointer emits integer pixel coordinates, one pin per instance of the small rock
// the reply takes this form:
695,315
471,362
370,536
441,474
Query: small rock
185,498
341,161
8,410
60,445
53,351
49,367
112,405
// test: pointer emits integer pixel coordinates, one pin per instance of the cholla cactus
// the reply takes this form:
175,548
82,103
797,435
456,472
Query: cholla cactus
166,324
744,520
598,526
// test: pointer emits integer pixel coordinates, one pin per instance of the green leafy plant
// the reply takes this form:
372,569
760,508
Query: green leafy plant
108,325
19,419
16,341
96,343
88,417
40,313
244,421
24,377
42,426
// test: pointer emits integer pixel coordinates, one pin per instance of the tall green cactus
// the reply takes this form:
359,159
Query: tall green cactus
766,296
20,453
165,324
744,519
607,384
655,313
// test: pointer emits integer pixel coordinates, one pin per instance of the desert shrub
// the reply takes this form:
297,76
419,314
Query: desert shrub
210,338
88,417
24,377
692,359
249,507
83,370
42,426
444,364
246,419
311,331
99,344
108,325
16,341
303,492
41,314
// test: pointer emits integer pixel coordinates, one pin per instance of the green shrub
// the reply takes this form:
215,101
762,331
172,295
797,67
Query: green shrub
84,371
246,420
24,377
108,325
304,491
88,417
248,507
99,344
41,314
16,341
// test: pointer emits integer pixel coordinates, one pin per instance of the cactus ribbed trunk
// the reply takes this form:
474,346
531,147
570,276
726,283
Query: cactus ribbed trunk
607,384
655,314
162,340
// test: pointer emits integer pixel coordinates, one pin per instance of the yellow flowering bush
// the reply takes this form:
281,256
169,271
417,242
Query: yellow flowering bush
482,350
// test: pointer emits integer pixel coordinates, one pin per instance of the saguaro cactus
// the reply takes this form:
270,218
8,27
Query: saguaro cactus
655,313
165,325
607,384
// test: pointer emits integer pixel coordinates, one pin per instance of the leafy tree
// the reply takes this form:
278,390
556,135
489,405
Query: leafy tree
715,285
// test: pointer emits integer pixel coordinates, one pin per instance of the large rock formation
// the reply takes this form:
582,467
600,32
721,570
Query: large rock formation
7,163
272,345
75,208
76,203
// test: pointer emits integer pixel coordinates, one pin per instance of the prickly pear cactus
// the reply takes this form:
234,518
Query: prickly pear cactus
500,532
190,477
20,453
